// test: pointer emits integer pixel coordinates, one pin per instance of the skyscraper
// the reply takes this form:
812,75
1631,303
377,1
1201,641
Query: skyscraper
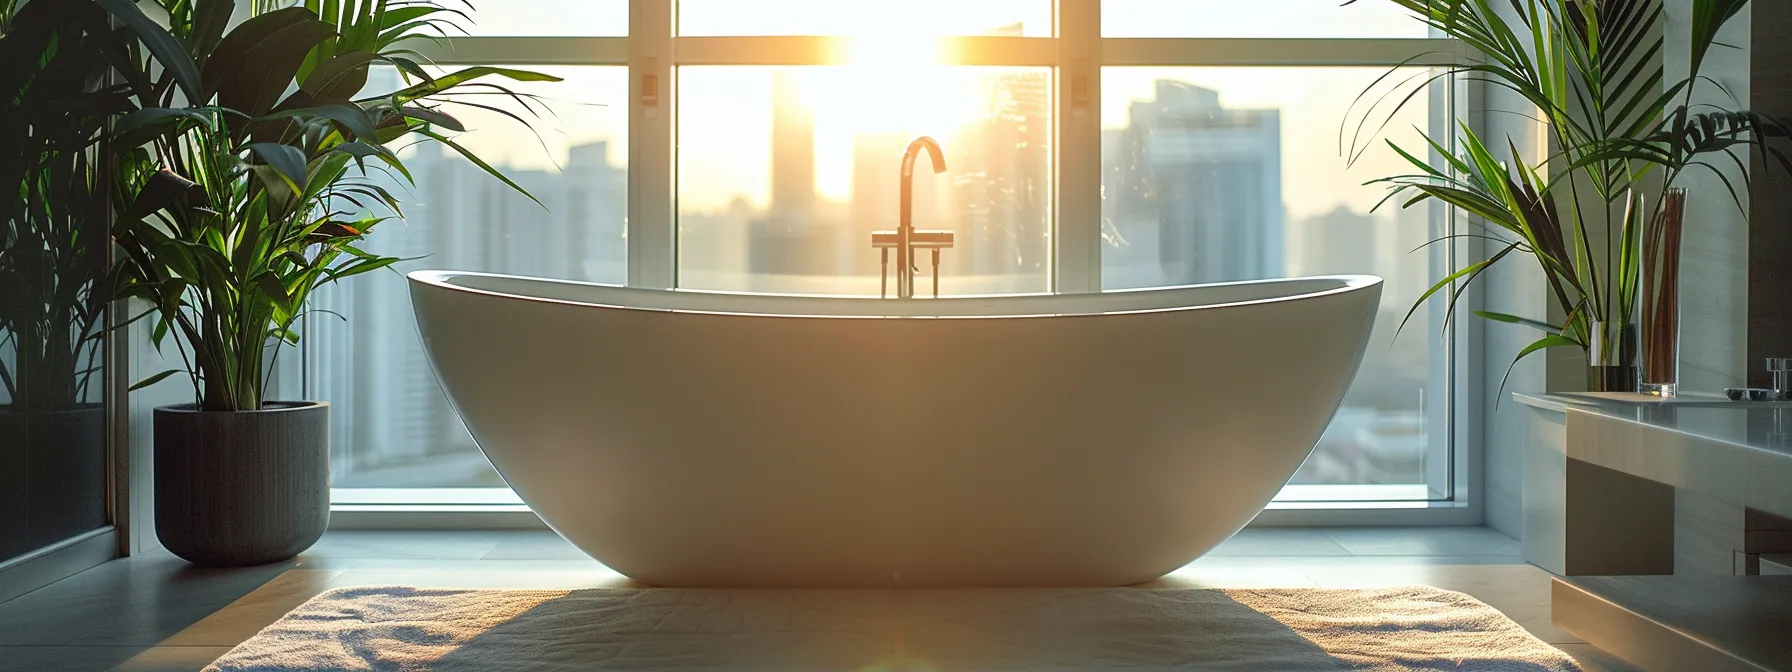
790,239
393,427
1002,186
1194,190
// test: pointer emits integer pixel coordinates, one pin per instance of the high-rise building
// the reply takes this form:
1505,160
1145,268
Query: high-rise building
1001,171
790,239
876,183
1340,242
393,425
1193,191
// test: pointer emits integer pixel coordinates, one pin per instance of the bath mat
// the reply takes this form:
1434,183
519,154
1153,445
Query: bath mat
395,628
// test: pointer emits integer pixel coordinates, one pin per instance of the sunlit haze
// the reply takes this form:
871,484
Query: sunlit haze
727,111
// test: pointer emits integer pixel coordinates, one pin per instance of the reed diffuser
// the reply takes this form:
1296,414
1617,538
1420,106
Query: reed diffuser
1660,321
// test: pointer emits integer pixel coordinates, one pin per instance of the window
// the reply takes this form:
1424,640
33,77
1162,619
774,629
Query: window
1227,174
784,173
931,18
548,18
1274,19
754,145
393,426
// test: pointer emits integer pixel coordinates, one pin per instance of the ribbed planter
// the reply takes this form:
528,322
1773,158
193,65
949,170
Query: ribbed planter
54,485
243,488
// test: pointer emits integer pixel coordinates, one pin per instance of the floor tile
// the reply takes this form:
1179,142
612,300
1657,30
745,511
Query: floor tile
1425,541
134,601
330,564
1304,561
1194,576
484,579
420,545
1595,659
535,545
1520,592
1280,542
243,618
173,659
63,658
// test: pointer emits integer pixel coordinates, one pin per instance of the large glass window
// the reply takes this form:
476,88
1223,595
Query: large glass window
1227,174
1221,135
393,427
1016,18
1258,19
785,173
547,18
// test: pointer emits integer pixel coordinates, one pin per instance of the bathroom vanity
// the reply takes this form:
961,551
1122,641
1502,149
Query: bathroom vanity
1664,520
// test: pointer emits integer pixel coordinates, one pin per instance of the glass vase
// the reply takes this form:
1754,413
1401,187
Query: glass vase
1659,291
1611,360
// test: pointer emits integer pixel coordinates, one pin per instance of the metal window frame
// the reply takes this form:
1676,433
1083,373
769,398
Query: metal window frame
1077,53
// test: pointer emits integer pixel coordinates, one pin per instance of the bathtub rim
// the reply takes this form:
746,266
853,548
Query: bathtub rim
441,279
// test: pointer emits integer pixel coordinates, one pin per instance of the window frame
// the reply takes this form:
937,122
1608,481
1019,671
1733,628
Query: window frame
1077,52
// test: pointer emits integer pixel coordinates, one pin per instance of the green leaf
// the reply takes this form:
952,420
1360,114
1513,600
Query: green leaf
276,290
146,382
402,15
254,84
459,77
210,19
434,117
489,170
1469,272
168,52
1514,319
364,266
158,115
352,117
163,190
235,47
290,161
338,80
1550,341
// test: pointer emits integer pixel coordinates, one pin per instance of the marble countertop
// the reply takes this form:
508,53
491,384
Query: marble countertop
1735,451
1759,425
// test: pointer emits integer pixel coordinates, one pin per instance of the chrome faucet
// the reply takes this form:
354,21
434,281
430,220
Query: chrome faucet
1781,369
905,238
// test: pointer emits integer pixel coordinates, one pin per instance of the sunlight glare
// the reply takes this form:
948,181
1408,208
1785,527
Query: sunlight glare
893,49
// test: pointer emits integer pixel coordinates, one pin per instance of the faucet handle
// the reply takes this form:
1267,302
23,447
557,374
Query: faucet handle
1781,369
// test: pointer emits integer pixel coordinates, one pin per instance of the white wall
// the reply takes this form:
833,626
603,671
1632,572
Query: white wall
1714,289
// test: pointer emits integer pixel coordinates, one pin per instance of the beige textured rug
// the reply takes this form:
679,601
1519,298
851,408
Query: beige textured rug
404,629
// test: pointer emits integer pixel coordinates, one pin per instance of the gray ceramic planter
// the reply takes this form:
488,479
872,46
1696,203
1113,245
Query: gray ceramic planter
246,488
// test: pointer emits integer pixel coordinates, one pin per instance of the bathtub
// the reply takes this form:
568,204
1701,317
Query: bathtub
718,440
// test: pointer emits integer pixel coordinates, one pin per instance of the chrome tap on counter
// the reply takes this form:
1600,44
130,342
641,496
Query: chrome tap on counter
1781,370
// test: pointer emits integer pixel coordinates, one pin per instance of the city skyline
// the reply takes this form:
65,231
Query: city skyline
726,108
1120,18
1209,205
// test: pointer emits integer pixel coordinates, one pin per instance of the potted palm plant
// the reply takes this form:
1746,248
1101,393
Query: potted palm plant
52,267
235,207
1604,207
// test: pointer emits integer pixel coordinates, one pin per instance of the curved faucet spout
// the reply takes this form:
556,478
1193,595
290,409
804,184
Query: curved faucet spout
937,157
905,228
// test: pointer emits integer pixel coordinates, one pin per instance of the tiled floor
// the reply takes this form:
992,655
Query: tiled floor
155,614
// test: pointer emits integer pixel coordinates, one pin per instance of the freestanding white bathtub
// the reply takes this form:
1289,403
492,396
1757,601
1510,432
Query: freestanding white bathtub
701,439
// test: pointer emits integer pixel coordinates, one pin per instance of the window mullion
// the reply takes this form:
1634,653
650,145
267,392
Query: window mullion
1077,236
652,224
